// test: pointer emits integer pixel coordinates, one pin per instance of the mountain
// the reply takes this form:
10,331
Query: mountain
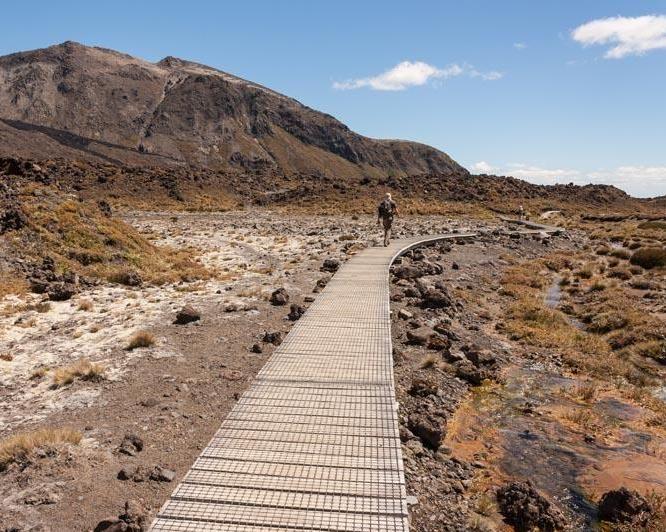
80,102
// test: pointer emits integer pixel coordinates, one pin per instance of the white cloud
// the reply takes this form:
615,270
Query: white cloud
641,181
482,167
625,35
519,45
413,74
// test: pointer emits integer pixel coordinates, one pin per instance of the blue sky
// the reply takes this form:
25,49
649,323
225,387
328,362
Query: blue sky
508,87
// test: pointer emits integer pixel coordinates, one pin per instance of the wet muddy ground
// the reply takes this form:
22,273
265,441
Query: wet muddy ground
526,420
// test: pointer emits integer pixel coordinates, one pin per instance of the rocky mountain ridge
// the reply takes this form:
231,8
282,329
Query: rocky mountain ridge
76,101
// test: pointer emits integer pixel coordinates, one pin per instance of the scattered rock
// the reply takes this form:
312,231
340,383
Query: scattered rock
524,508
256,348
187,315
423,386
274,338
161,474
279,297
330,265
405,314
295,312
12,219
420,336
436,298
624,506
428,429
131,445
60,291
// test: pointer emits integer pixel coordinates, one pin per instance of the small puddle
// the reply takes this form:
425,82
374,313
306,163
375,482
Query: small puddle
553,299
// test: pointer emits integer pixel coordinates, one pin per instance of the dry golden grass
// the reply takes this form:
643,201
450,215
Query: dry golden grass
39,373
141,339
18,447
586,391
80,238
85,305
82,369
429,361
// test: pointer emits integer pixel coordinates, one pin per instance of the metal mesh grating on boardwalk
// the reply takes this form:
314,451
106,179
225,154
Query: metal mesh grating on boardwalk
313,443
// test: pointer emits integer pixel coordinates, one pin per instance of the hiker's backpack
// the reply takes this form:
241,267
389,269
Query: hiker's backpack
385,209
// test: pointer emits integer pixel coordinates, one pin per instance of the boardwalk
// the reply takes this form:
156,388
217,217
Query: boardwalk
313,443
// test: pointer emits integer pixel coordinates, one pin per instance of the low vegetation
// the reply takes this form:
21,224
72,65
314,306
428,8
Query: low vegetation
83,369
19,447
141,339
83,239
649,258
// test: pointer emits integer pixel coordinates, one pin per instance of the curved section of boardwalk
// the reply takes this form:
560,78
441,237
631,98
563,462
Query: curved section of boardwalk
313,443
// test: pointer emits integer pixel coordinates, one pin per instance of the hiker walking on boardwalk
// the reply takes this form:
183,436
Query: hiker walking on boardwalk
385,212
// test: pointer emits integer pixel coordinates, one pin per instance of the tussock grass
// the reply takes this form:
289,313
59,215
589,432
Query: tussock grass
429,361
649,258
81,239
85,305
17,448
141,339
83,369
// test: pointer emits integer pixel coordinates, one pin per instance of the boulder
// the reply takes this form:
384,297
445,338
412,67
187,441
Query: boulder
187,315
624,506
131,445
423,386
295,312
420,336
434,298
279,297
61,291
427,428
162,474
274,338
12,219
330,265
524,508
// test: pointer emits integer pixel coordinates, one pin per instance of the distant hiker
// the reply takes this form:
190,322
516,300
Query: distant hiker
521,213
385,212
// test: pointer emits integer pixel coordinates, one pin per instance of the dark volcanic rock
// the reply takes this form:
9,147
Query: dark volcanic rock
279,297
436,298
524,508
131,444
428,429
274,338
422,386
187,315
61,291
330,265
624,506
295,312
12,219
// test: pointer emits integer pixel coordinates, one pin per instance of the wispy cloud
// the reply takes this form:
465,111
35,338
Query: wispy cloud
413,74
625,35
638,180
519,45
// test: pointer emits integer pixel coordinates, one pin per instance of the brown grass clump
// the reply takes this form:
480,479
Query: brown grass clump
586,391
428,361
6,357
85,305
621,253
141,339
80,238
82,369
17,448
649,258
